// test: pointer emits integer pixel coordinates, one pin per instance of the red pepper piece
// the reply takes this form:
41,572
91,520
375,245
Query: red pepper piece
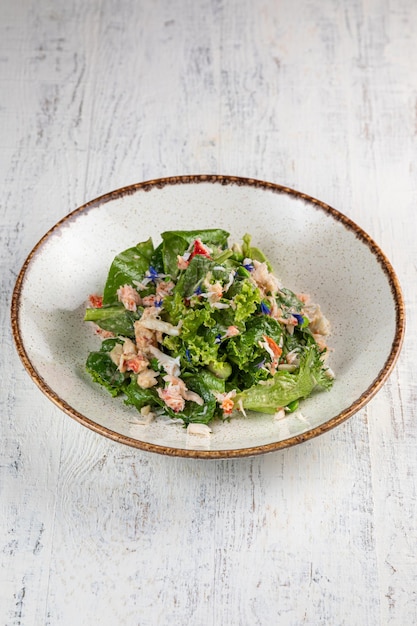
96,301
199,248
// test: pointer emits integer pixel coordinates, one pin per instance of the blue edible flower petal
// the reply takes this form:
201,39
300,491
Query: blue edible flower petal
152,274
265,308
198,291
248,266
188,355
298,317
218,339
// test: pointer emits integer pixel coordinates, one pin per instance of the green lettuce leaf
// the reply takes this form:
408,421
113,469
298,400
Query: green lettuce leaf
286,299
286,387
244,349
196,343
247,299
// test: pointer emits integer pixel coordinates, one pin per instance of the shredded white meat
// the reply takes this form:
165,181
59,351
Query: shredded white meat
146,416
129,297
147,378
264,279
201,430
170,365
150,319
280,414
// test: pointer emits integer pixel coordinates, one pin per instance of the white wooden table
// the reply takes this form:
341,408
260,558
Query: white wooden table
318,95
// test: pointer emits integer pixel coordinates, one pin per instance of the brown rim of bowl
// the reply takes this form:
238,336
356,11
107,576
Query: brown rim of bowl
159,183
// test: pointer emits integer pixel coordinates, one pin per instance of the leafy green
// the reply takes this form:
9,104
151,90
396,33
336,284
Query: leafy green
287,299
196,342
103,370
193,276
224,327
247,299
221,369
138,397
252,252
157,259
244,349
127,267
286,387
115,319
196,413
176,242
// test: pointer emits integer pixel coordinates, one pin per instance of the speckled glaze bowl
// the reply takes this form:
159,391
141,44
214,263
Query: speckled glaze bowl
313,249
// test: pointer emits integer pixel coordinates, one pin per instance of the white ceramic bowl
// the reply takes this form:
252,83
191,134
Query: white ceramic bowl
313,248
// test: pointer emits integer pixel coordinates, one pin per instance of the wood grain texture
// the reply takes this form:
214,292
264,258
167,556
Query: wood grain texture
317,95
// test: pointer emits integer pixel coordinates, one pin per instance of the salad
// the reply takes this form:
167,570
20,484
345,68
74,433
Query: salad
197,329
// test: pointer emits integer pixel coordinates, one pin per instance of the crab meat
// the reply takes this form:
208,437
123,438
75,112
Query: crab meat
164,288
146,416
275,311
264,279
182,263
116,353
129,297
232,331
176,393
226,401
172,398
180,385
214,290
280,413
293,357
144,337
147,378
150,319
274,351
318,322
271,347
136,364
201,430
127,358
170,365
149,300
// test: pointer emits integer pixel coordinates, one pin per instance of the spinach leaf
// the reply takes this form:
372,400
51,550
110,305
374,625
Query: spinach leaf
103,371
138,397
193,412
193,276
287,299
157,259
116,319
176,242
212,382
128,266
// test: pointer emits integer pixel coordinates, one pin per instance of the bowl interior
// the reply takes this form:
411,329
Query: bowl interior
313,249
